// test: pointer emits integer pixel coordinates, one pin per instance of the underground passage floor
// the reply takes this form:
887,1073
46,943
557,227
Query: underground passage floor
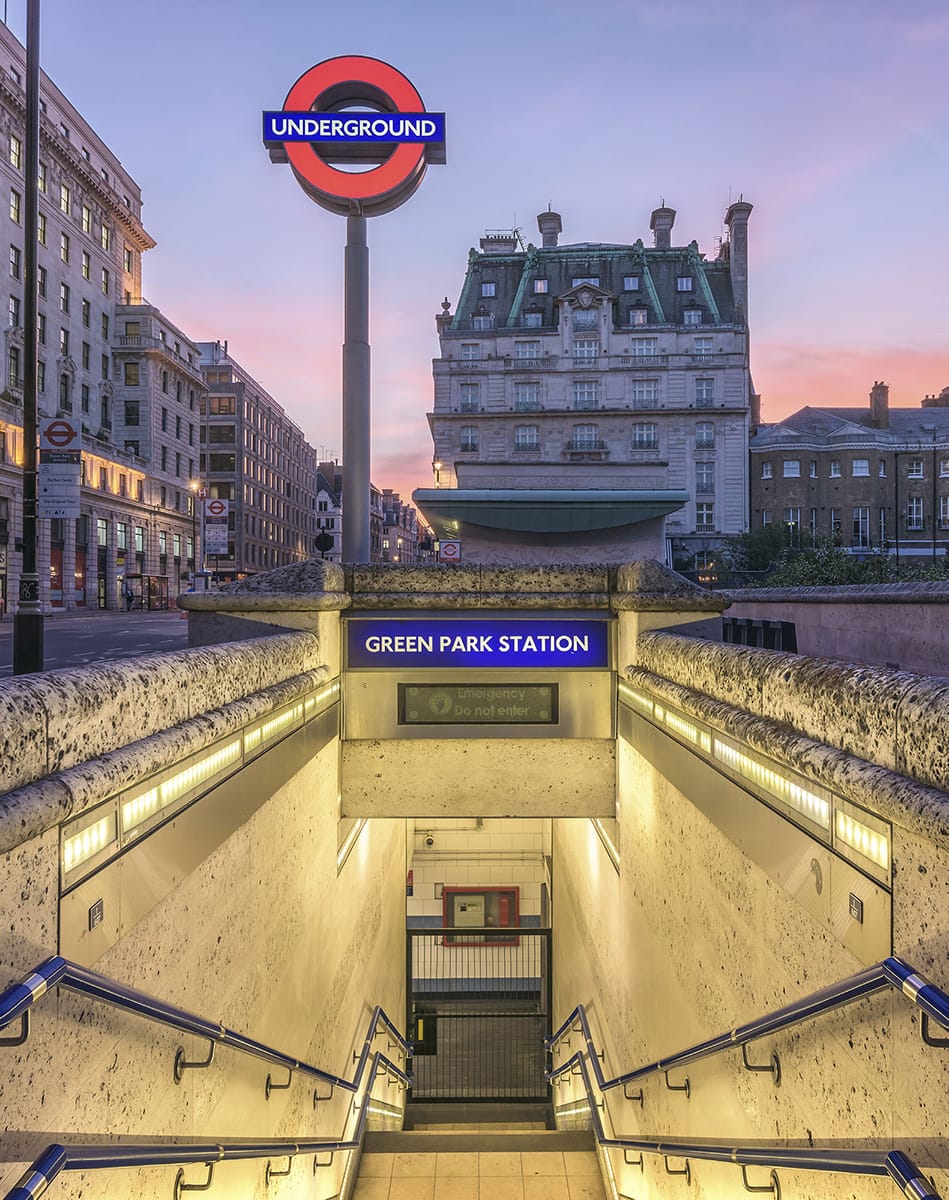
480,1175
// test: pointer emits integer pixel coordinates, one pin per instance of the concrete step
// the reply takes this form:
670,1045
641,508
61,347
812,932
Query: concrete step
474,1138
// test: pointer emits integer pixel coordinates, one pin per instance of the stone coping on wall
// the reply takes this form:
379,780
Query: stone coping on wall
894,719
908,803
55,719
28,811
643,586
852,593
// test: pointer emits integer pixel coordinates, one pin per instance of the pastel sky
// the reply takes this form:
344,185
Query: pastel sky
830,116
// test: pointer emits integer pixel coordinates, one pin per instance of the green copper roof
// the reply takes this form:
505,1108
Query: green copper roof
547,510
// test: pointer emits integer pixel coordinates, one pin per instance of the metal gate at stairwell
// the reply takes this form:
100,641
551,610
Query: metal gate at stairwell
478,1013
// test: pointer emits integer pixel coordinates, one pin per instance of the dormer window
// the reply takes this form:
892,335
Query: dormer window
683,283
541,287
489,289
692,316
533,320
581,279
630,283
638,316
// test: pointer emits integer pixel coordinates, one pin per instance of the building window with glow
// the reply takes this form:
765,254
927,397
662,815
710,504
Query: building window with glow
705,518
64,247
86,264
860,468
470,351
526,397
15,205
861,527
645,435
704,435
585,396
541,287
469,397
915,469
585,437
834,468
584,318
792,525
527,351
914,512
105,237
704,478
645,393
16,152
86,219
65,202
704,393
469,438
525,437
638,316
105,281
791,468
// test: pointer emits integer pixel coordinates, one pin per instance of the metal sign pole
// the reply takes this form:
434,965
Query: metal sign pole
28,618
356,464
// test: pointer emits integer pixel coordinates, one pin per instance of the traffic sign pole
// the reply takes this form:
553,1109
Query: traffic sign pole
28,618
356,401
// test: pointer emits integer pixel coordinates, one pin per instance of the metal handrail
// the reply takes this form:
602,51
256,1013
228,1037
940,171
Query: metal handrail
58,1158
18,999
893,1163
893,972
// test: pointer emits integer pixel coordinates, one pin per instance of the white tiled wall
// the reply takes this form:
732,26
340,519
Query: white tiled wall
503,852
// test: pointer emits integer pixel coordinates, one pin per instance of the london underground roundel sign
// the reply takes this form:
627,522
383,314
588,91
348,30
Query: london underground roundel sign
360,112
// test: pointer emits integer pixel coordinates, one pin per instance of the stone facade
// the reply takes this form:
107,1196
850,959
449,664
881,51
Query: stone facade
597,366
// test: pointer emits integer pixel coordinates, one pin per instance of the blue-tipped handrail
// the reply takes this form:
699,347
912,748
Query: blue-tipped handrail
893,1163
18,999
890,973
58,1158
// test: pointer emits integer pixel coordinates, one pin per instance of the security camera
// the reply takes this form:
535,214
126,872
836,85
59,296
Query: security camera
430,839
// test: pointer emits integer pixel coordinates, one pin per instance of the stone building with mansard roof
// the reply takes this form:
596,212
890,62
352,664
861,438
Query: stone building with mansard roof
592,399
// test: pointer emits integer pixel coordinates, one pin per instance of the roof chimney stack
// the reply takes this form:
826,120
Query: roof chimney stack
661,223
736,218
550,226
880,406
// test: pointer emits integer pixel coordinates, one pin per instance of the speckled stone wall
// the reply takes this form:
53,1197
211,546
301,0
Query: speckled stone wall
265,937
691,938
892,718
896,625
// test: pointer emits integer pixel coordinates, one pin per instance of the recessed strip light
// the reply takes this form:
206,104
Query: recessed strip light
84,844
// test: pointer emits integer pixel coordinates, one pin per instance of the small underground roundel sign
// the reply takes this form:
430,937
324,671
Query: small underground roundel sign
358,112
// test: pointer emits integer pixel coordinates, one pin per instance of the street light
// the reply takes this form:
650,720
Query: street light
436,467
197,489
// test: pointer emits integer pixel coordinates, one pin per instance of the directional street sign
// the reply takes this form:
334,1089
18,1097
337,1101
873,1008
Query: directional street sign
60,469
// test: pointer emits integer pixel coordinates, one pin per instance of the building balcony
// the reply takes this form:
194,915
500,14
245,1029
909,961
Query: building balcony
585,451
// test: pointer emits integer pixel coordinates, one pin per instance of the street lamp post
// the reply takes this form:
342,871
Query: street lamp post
197,490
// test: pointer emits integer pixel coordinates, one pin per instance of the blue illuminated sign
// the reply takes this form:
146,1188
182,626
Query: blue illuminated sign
281,126
480,642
